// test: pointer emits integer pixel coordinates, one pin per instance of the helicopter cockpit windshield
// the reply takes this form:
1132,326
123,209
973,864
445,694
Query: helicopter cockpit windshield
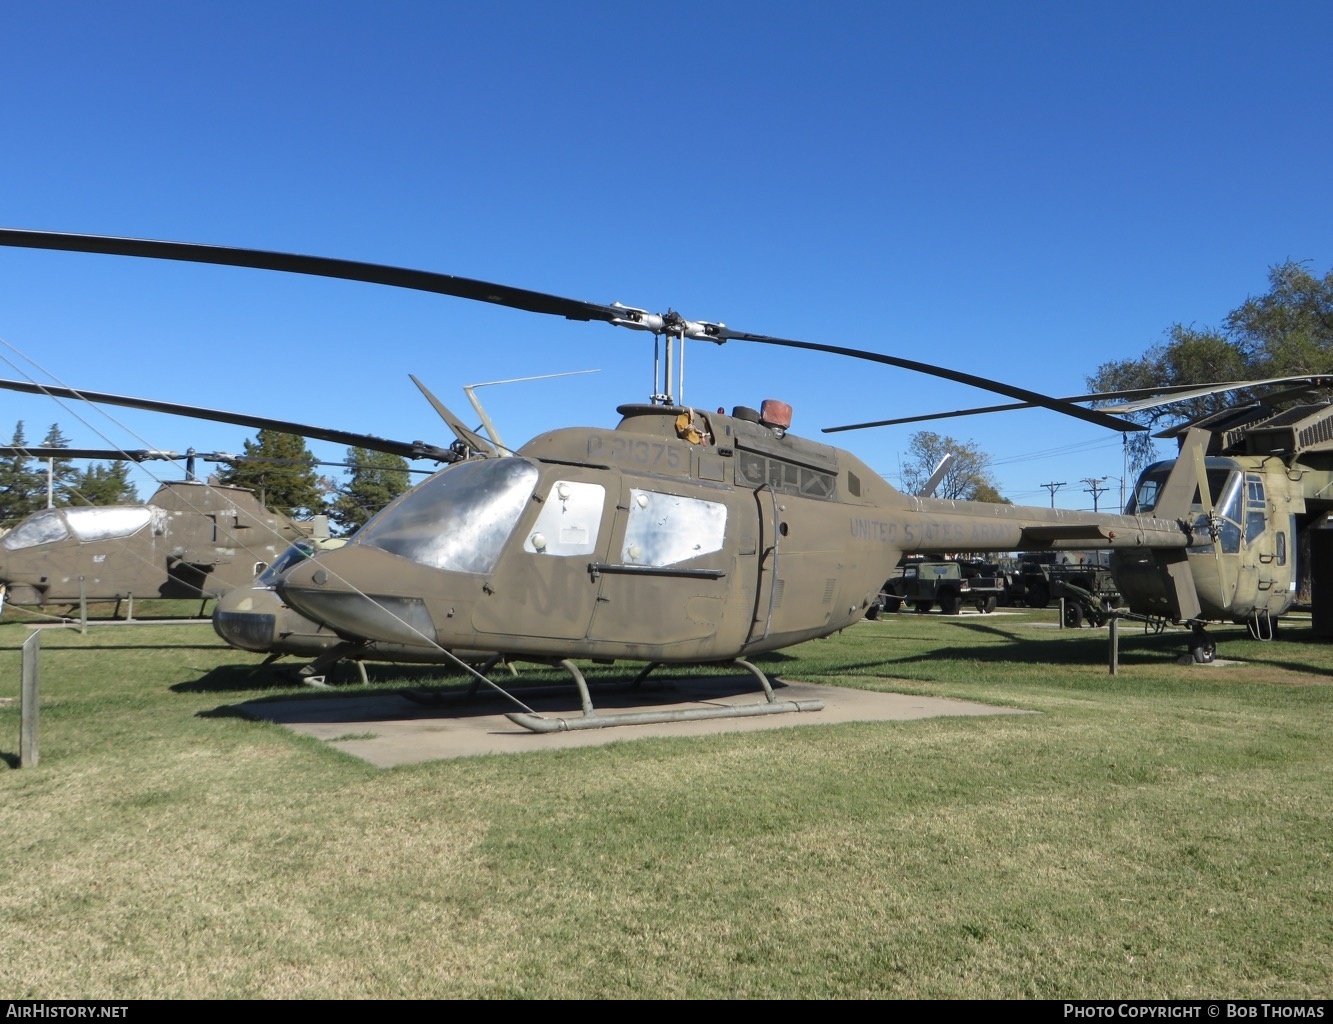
1225,481
86,524
1148,491
298,552
42,528
1225,485
459,518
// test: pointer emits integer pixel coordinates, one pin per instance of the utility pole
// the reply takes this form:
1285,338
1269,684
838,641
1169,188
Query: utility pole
1095,489
1053,487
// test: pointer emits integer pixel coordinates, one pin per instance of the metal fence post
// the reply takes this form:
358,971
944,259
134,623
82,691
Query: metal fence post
1115,643
28,702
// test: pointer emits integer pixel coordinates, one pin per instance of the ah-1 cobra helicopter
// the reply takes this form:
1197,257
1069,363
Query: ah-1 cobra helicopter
191,539
680,536
1253,484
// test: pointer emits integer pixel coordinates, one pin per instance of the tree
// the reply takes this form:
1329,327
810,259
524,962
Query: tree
374,480
986,492
1286,332
22,488
63,474
104,484
968,476
280,470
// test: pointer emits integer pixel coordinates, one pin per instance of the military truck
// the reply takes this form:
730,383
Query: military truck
1088,589
924,583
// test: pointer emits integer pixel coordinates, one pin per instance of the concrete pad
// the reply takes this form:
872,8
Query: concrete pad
405,727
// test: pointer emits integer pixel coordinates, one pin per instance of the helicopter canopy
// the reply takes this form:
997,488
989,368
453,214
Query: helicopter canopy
85,524
457,519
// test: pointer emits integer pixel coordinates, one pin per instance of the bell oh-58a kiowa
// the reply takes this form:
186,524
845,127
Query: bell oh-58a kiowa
681,536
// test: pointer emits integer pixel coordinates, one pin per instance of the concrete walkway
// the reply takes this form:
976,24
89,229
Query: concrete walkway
403,727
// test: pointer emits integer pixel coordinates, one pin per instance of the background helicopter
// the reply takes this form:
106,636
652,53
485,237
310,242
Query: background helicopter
1254,486
1258,513
681,536
191,539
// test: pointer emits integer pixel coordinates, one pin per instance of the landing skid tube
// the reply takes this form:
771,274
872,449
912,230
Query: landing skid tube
590,719
314,674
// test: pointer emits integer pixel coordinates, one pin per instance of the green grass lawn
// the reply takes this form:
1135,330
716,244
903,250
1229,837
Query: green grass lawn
1165,832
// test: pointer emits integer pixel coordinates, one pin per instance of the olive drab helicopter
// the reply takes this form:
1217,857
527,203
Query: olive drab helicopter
1253,487
1258,517
206,540
681,536
191,539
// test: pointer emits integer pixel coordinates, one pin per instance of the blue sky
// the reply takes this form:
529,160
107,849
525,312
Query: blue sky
1022,191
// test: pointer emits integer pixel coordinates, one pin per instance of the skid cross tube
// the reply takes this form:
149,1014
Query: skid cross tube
590,719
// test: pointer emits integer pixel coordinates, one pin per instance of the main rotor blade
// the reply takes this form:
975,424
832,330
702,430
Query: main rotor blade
1186,392
315,266
1101,396
408,450
113,454
153,455
984,383
504,295
231,459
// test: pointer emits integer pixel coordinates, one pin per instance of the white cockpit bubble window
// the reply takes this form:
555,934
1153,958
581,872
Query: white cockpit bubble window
42,528
569,521
666,528
107,523
457,519
86,524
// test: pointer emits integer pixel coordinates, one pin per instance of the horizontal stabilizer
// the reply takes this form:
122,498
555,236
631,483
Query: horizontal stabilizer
1050,532
1108,531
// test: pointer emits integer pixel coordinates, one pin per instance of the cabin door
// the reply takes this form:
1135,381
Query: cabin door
669,578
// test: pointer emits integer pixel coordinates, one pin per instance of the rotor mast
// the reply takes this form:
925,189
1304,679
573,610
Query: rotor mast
661,394
675,329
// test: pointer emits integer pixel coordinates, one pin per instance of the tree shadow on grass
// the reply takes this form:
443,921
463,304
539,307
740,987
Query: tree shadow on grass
52,648
431,692
244,678
1090,650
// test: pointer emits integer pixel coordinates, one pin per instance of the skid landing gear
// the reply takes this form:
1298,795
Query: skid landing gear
590,719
